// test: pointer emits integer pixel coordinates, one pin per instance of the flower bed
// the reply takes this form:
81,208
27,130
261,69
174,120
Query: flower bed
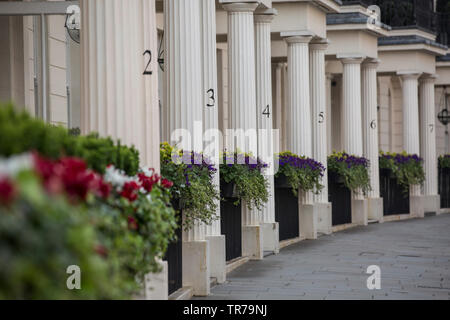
301,172
406,168
353,171
101,213
245,173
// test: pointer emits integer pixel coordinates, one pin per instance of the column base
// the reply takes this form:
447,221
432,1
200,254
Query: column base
360,215
416,204
271,237
324,218
252,242
156,285
308,221
196,269
217,258
375,209
432,204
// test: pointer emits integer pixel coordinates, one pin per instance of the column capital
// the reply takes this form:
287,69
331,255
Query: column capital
429,78
371,63
319,44
240,6
409,74
297,36
351,58
265,16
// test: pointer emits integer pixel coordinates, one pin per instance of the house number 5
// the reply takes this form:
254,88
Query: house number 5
321,117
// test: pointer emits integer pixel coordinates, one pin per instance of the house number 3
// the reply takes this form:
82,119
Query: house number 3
212,98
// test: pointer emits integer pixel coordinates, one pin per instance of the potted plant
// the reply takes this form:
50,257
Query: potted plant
406,168
298,173
350,170
192,176
242,179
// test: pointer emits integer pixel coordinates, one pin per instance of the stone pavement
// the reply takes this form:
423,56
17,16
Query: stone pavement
414,257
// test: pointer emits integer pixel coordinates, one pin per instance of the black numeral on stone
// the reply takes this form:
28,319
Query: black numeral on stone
147,67
212,98
266,111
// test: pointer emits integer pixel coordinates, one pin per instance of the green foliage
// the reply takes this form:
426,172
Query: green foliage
352,169
444,161
25,134
405,167
193,184
301,172
250,182
40,237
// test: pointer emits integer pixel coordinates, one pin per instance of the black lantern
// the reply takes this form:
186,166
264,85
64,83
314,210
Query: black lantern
444,116
161,53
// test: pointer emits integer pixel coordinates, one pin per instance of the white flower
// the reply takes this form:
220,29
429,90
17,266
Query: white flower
117,178
10,167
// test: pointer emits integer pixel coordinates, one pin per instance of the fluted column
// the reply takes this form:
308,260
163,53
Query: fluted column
319,109
278,108
299,102
370,123
183,76
119,89
411,133
329,85
241,77
210,104
264,103
428,135
352,141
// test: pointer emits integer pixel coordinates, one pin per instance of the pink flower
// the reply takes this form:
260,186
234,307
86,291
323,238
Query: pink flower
132,223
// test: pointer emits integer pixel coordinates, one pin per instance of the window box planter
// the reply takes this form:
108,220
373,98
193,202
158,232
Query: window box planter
286,209
231,220
395,197
174,255
444,186
340,198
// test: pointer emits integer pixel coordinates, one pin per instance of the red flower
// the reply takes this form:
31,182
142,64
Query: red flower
132,223
104,189
129,191
148,182
7,191
167,184
77,180
101,251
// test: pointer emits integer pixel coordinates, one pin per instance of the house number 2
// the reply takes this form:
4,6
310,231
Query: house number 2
147,67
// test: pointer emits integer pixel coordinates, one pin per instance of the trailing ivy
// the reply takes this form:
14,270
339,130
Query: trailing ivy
246,172
301,172
352,169
193,188
407,168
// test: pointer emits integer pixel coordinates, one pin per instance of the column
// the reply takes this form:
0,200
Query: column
184,98
370,123
329,86
352,141
320,115
242,100
211,127
265,111
300,128
351,125
299,103
278,108
411,131
319,109
119,87
428,143
118,99
370,135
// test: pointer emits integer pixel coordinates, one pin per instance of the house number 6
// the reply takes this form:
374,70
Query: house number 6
373,124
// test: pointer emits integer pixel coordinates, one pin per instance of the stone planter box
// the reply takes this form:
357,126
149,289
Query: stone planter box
286,209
